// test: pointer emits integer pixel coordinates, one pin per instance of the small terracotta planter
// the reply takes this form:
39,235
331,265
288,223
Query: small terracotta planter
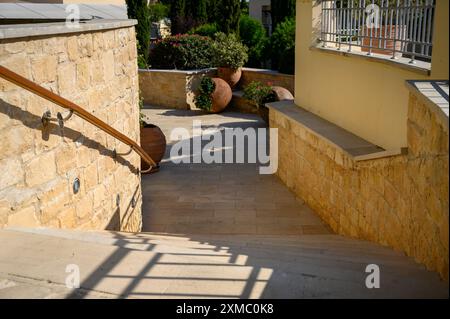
154,144
231,76
221,96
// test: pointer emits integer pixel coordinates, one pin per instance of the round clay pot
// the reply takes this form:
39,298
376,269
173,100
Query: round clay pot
231,76
282,94
221,96
154,144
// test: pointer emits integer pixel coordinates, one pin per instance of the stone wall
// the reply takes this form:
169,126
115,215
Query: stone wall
267,76
399,201
173,89
98,71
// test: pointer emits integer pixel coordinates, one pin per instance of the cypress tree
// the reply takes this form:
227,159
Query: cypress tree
137,9
229,12
178,16
280,10
196,10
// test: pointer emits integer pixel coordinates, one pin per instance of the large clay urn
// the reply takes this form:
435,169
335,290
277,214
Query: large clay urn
221,96
231,76
154,144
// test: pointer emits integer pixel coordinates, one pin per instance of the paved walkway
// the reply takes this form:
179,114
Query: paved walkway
219,198
210,231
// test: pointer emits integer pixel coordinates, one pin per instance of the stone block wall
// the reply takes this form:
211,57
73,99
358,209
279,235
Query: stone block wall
267,76
97,70
399,201
173,89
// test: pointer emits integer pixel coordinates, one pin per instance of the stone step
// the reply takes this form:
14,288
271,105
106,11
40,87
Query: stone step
241,272
324,248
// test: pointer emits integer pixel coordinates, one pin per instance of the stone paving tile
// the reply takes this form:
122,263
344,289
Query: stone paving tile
219,198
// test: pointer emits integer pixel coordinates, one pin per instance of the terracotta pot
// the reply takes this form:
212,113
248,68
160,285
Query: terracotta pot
154,144
386,46
282,94
231,76
221,96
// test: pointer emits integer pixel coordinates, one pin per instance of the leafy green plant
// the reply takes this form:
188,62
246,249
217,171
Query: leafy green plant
253,35
206,30
141,106
182,52
229,51
141,60
203,100
282,44
259,93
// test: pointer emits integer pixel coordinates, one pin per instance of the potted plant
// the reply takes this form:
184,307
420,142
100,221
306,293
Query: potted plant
229,56
259,94
214,95
153,140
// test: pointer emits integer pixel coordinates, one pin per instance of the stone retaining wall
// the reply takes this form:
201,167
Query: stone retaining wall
173,89
399,201
97,70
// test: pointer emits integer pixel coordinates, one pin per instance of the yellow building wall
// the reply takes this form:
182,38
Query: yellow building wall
362,95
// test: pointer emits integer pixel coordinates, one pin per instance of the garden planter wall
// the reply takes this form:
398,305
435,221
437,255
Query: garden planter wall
267,77
173,89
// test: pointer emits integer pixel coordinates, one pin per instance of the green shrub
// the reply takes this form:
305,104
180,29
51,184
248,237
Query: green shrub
203,100
253,35
182,52
229,51
282,44
206,30
259,93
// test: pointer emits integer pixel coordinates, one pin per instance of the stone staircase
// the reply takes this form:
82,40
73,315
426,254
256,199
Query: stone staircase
153,265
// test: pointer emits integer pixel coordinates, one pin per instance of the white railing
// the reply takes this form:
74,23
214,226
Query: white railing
398,28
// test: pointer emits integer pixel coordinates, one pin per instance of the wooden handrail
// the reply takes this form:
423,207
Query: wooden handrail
78,110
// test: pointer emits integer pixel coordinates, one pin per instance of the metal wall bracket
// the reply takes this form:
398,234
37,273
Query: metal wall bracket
115,153
47,118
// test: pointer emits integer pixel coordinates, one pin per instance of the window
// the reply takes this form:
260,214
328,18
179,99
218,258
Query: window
396,28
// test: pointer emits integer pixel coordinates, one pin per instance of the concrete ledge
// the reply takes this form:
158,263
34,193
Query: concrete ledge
44,29
354,146
420,67
183,72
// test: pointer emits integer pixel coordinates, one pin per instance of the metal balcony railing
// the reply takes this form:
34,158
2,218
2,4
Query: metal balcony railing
397,28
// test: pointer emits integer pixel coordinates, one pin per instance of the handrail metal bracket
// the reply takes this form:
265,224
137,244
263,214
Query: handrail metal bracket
46,118
115,153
